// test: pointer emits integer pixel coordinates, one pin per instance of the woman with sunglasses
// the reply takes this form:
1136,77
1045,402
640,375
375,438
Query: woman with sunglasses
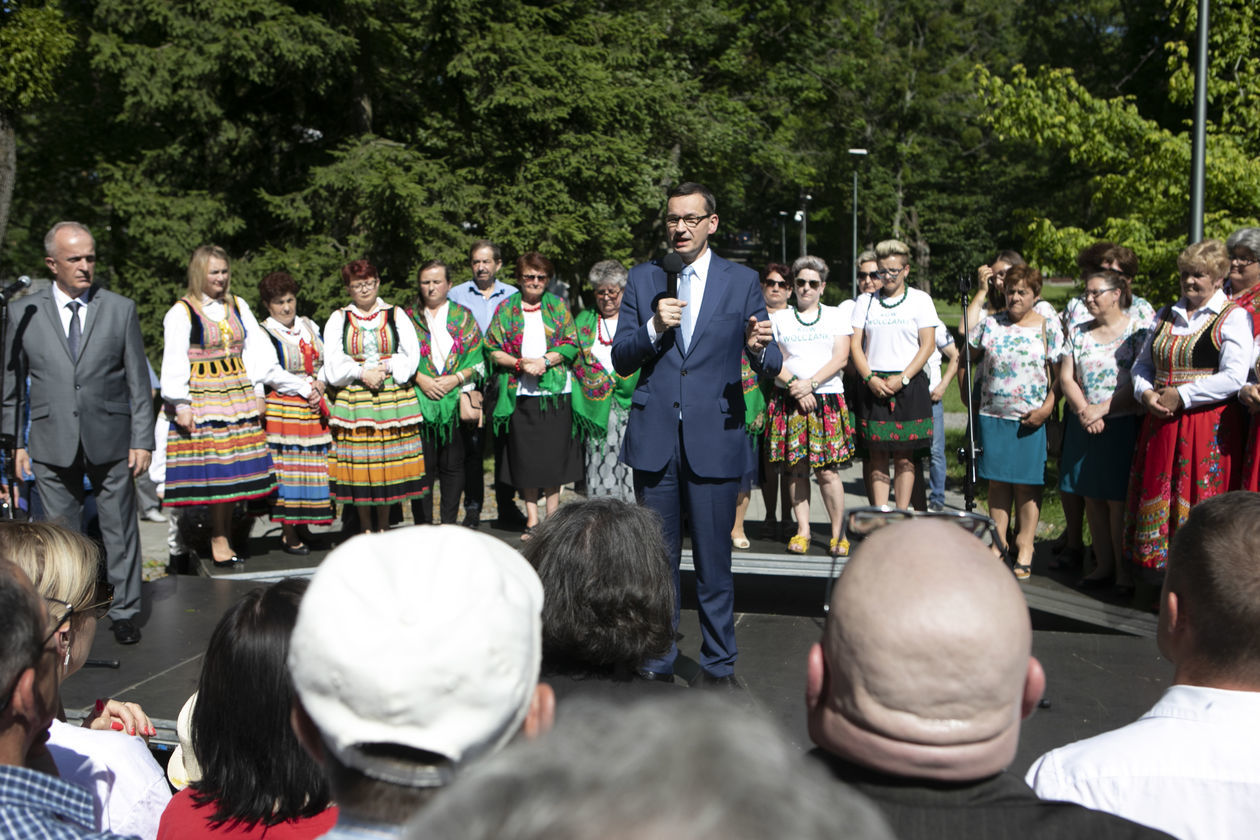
868,282
1244,290
894,334
807,418
532,342
104,756
371,352
1100,432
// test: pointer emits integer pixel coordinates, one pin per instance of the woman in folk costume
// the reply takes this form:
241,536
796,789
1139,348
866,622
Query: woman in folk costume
601,403
532,342
215,352
1187,376
297,415
370,356
452,363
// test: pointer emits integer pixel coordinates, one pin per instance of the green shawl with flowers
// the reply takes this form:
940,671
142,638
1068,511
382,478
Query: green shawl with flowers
597,388
755,389
507,331
468,351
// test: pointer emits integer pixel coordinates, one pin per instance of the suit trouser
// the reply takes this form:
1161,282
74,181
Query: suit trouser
61,489
710,503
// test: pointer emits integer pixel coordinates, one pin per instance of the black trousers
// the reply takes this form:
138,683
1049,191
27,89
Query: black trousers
444,466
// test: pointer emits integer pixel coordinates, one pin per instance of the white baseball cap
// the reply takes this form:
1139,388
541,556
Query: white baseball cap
426,637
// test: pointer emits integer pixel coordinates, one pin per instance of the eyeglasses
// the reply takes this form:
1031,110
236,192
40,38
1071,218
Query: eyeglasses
813,284
889,273
59,613
867,275
102,600
692,222
607,291
861,522
1090,294
535,277
776,284
1242,262
364,285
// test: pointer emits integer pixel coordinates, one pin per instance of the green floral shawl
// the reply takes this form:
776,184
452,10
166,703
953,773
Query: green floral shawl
597,388
468,351
507,330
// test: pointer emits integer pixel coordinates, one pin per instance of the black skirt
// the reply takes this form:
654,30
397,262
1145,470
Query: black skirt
541,448
903,421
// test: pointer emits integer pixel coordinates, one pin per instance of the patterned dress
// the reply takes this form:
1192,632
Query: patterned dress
225,458
377,456
1187,458
824,436
298,434
1250,301
601,407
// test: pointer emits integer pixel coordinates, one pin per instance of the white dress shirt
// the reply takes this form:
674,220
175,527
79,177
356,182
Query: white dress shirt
1237,354
341,370
691,311
61,299
1188,766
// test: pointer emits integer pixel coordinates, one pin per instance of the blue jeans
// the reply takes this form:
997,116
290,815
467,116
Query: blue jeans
936,470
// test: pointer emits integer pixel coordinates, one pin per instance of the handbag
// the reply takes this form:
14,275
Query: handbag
470,408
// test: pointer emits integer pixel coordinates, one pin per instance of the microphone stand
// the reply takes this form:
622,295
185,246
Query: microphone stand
968,453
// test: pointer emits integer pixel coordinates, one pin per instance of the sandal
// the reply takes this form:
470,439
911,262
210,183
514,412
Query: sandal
741,542
839,547
528,533
1022,572
798,544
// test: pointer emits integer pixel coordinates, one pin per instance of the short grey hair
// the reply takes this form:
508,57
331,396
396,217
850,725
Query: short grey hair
50,238
866,256
608,273
1247,238
813,263
687,766
892,248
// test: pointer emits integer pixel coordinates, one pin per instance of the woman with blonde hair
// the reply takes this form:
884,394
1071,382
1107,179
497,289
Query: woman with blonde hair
214,354
103,756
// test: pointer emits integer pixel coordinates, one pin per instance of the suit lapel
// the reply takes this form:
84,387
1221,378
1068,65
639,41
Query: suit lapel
49,307
714,288
93,314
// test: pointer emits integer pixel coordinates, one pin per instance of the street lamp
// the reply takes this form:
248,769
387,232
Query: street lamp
783,237
857,154
801,217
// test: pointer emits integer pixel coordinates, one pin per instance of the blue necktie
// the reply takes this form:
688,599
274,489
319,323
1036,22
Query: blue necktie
684,293
76,329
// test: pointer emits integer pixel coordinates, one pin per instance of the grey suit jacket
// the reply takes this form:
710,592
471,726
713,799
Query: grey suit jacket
102,402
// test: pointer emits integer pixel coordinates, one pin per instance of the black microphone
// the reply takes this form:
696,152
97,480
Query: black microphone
15,287
673,265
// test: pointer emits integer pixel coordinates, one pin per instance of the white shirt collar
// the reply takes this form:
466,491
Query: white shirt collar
61,298
1214,305
701,265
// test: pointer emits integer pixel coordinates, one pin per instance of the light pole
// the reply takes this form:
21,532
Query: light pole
801,217
857,155
1198,146
783,237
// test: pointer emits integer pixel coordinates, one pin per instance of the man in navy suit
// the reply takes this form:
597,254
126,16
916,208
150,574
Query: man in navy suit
685,440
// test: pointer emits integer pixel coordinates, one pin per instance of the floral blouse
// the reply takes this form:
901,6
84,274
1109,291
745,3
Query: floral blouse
1015,381
1102,369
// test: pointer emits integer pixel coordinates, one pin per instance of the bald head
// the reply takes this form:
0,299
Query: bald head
925,667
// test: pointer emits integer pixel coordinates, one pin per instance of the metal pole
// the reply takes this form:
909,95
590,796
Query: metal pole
803,213
1198,150
853,272
783,237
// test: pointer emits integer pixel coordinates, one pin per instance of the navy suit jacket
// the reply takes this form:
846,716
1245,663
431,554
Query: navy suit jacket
703,386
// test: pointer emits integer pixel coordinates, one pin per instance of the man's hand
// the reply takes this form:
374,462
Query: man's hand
21,463
668,314
758,334
138,461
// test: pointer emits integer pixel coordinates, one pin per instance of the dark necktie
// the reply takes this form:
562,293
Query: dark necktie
76,329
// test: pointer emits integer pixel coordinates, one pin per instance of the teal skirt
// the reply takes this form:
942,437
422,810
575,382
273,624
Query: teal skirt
1011,452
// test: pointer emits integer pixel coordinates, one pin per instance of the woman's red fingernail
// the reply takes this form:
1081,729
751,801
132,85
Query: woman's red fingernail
116,726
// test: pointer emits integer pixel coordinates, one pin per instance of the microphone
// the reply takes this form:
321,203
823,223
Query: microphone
673,265
15,287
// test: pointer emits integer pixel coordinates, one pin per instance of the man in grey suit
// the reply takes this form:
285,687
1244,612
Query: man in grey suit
91,415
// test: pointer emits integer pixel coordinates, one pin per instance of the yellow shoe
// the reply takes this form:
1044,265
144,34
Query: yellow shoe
839,547
798,544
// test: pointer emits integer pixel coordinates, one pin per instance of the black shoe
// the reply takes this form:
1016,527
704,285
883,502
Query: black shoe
511,519
126,632
654,676
472,517
730,682
301,550
234,560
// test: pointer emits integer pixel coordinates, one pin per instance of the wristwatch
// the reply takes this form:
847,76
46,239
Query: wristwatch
813,384
905,381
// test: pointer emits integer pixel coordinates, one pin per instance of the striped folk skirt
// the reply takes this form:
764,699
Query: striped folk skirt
299,440
226,458
377,457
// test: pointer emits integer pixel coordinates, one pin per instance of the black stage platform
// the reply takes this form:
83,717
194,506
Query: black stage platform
1098,678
